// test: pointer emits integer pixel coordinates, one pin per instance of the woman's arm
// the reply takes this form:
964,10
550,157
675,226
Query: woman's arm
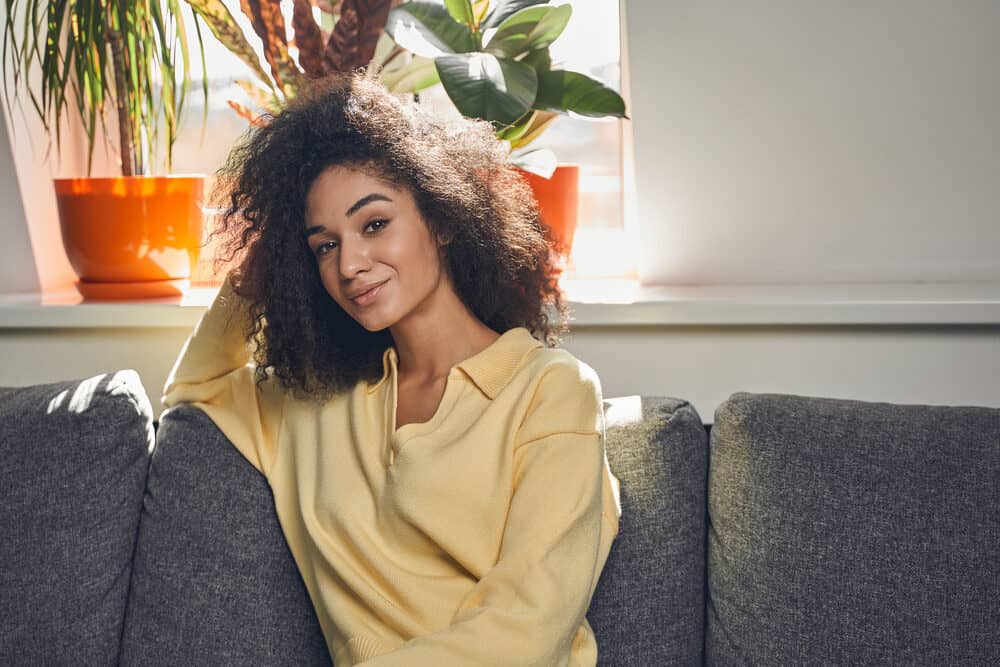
214,373
528,609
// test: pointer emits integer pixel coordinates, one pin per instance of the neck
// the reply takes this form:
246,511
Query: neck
437,335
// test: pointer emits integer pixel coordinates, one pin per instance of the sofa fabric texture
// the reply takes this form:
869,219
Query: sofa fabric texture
648,607
803,531
214,581
74,460
849,532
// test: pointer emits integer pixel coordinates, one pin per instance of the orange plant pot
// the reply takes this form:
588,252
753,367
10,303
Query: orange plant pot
558,203
142,232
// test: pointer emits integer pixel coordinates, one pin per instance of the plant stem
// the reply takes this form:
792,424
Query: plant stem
125,138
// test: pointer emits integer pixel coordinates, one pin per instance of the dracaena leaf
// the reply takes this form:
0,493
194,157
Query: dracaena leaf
308,38
269,24
353,40
223,25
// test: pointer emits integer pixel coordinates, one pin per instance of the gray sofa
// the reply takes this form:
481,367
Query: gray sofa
792,531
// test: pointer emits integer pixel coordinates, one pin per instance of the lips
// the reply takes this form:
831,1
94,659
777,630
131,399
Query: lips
367,295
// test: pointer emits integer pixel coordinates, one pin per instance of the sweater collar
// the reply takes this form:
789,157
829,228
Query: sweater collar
489,369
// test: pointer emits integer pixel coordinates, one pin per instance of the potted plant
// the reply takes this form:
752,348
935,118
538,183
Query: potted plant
355,38
134,234
492,58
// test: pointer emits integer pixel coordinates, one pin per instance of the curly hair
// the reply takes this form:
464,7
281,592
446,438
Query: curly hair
465,187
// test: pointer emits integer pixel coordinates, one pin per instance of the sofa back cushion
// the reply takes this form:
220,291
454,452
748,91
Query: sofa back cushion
73,461
849,532
214,581
648,607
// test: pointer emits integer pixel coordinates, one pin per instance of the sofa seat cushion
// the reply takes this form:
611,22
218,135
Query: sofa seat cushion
74,458
215,582
849,532
649,604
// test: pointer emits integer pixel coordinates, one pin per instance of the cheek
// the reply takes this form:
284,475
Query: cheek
330,281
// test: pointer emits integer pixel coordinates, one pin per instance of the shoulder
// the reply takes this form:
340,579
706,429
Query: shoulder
556,369
562,393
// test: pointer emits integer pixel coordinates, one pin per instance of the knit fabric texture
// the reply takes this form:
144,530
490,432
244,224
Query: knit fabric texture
214,582
846,532
649,606
73,457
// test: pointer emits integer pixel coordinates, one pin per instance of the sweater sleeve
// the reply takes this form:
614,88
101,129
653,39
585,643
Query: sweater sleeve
214,373
530,607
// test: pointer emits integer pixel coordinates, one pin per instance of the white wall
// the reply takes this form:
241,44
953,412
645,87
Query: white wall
701,364
783,141
18,272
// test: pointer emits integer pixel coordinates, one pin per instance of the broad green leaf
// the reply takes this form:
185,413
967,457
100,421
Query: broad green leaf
517,128
479,10
428,30
541,161
528,30
561,91
484,86
418,74
540,121
539,59
500,10
461,11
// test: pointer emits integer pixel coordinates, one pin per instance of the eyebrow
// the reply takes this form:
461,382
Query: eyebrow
364,201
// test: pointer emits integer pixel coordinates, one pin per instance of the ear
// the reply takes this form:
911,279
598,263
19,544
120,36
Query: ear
445,239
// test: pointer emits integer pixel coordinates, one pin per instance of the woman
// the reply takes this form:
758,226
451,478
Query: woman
438,472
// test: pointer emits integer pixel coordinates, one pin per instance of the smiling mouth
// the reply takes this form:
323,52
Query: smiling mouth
366,298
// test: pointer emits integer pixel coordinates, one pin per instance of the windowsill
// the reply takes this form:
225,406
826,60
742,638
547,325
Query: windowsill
601,303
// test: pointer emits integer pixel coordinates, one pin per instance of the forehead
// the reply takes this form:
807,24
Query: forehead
344,181
338,191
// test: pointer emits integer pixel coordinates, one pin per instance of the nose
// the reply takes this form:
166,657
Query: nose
353,259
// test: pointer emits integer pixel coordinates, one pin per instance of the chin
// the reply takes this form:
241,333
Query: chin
371,321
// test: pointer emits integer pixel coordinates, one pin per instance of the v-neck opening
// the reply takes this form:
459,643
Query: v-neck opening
406,430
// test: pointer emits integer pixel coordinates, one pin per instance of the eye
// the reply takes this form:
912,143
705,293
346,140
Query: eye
377,224
322,247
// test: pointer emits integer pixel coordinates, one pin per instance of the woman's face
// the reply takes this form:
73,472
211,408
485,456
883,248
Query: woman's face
375,254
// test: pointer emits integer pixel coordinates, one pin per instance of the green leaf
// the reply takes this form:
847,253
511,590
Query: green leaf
540,121
541,161
501,9
560,90
427,29
484,86
518,128
528,30
222,24
461,11
418,74
479,9
539,59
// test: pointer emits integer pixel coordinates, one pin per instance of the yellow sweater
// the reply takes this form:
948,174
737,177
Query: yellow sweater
475,538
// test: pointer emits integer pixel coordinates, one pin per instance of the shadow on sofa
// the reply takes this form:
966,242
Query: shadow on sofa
795,530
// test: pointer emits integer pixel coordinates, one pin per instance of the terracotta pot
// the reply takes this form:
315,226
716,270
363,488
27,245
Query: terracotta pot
141,231
558,203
